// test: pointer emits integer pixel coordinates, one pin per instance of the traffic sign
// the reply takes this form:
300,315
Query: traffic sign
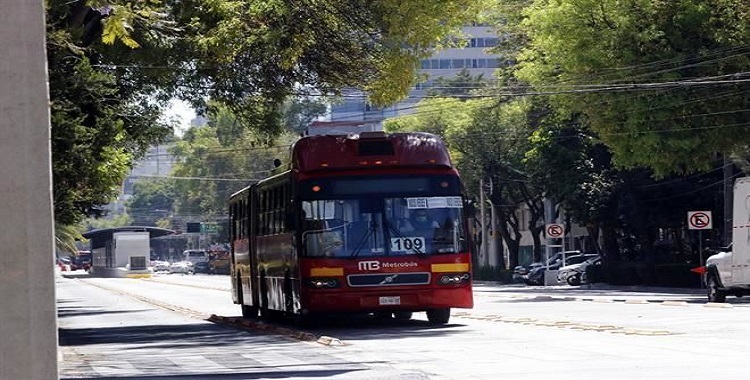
554,230
699,220
209,228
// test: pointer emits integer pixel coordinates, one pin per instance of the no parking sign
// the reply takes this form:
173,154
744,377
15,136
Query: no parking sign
554,230
699,220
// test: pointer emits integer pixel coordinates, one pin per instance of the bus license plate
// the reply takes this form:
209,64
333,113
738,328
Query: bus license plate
390,300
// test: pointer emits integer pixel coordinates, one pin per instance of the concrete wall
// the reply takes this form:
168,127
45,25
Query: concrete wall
28,331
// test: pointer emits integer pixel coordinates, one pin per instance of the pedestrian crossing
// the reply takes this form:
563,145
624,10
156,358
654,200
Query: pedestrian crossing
273,362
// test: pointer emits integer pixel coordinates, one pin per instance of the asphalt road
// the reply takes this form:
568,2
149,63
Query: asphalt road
178,327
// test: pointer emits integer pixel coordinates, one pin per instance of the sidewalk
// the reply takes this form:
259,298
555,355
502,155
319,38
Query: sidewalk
595,292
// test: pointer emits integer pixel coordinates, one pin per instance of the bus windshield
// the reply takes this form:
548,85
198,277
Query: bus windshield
374,225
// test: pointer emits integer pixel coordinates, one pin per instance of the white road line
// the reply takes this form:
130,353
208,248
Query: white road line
278,360
198,363
114,368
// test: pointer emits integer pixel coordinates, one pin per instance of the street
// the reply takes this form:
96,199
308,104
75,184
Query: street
160,328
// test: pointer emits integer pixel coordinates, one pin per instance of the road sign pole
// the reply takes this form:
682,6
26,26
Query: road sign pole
700,252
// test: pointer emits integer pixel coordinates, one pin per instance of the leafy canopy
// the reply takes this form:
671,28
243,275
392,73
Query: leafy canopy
662,83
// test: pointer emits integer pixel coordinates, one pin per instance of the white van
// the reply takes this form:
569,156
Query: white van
195,255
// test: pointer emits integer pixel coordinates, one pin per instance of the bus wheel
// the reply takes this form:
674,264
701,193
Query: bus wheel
249,311
438,316
265,313
402,315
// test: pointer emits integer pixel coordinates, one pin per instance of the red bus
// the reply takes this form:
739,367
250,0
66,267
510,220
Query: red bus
368,223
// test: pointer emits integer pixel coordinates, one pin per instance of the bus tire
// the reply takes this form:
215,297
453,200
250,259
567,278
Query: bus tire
439,316
288,294
265,313
248,311
402,315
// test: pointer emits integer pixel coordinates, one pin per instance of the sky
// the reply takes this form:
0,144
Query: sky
183,113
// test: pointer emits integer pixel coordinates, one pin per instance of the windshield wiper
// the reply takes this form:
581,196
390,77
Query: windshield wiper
395,231
370,232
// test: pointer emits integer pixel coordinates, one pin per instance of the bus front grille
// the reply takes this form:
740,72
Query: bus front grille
387,279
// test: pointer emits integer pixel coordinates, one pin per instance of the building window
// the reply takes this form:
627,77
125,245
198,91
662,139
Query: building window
490,42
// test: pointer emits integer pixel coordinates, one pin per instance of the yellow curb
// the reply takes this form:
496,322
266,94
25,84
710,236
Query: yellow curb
644,332
719,305
674,303
636,301
329,341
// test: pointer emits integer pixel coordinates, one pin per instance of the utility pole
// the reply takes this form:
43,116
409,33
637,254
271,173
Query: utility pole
726,235
28,348
483,259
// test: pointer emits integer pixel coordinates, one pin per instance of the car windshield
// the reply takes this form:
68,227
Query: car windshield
383,226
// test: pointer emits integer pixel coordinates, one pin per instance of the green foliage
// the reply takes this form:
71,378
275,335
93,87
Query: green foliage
218,159
271,48
488,140
152,201
114,65
111,222
66,237
661,80
461,85
100,122
298,113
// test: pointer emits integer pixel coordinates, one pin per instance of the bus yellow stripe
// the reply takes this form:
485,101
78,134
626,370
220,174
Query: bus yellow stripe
454,267
317,272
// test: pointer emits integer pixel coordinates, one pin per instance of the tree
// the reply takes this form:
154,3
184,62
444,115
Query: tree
298,113
461,85
152,201
487,139
100,124
218,159
660,82
114,65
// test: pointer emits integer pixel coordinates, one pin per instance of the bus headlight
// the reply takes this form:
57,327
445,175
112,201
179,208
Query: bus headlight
323,283
455,278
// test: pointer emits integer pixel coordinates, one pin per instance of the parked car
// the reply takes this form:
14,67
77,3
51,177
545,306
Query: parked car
201,267
81,261
184,267
160,266
219,265
536,275
63,263
520,272
573,274
195,255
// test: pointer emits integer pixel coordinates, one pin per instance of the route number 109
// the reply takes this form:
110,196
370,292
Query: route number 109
407,244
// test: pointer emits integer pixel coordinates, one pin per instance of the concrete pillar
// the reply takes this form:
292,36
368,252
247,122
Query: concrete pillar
28,328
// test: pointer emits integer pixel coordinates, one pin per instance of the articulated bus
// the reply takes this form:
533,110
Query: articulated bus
367,223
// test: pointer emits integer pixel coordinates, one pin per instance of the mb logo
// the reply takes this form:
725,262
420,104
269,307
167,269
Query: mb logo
368,265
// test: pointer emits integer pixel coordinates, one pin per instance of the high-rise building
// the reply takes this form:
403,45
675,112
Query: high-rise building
355,112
